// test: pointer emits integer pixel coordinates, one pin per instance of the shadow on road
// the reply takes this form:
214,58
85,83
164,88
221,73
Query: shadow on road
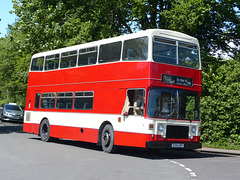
10,127
166,154
142,153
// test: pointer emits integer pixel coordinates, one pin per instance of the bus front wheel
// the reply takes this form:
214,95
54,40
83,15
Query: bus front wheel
44,130
107,139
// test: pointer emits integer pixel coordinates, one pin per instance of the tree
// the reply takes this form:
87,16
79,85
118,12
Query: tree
214,23
53,24
220,110
44,25
13,69
58,23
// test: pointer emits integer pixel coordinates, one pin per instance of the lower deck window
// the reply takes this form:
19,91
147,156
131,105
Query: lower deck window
64,100
83,100
48,100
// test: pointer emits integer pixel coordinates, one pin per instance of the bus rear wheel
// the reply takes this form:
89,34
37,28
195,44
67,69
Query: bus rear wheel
44,131
107,139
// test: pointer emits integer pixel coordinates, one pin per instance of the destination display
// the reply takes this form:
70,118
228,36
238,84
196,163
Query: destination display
178,80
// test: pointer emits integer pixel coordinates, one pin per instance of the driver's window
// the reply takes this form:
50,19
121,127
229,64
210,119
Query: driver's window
135,102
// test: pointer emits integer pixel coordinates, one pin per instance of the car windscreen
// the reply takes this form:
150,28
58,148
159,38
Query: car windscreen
12,107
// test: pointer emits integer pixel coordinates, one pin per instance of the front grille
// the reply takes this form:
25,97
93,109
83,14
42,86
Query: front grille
177,132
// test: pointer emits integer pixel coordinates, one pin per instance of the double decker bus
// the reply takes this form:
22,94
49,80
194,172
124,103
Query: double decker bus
140,90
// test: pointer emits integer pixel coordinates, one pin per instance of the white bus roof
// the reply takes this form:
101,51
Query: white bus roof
150,32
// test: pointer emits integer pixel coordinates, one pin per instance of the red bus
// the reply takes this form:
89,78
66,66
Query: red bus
140,90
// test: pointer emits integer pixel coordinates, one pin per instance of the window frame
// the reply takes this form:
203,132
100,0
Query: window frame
41,67
135,59
103,61
96,49
37,100
64,97
82,97
52,59
178,44
42,97
178,93
132,109
68,56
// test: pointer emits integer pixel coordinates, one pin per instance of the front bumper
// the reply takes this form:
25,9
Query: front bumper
173,145
13,118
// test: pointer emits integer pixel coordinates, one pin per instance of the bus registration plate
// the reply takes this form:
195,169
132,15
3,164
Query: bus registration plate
177,145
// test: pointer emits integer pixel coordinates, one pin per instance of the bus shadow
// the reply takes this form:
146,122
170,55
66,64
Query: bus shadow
7,128
79,144
142,153
167,154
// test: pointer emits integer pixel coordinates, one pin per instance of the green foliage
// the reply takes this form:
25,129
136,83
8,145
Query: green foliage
13,70
54,24
213,23
220,103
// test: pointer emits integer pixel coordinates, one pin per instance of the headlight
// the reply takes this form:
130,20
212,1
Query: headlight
6,113
194,129
161,127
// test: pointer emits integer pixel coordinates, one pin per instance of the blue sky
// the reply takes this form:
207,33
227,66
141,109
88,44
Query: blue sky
5,16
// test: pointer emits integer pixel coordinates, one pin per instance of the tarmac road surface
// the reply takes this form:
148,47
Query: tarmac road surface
25,156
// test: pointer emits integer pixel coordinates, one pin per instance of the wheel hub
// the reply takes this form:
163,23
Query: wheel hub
106,138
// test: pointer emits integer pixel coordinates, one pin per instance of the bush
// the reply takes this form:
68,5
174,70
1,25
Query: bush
220,103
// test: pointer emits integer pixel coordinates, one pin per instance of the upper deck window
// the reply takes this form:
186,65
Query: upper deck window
110,52
171,51
135,49
37,64
164,50
188,55
87,56
52,62
68,59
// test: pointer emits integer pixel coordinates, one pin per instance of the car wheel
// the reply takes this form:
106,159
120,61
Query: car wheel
1,117
107,139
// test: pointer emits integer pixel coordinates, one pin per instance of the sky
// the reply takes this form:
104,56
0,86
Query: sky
5,16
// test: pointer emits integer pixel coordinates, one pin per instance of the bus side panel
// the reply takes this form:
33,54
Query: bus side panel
64,132
31,128
131,139
74,133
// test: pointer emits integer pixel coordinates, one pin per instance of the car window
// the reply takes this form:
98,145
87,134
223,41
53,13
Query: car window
12,107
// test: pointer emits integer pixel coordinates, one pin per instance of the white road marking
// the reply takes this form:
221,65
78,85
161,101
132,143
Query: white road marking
181,165
192,174
188,169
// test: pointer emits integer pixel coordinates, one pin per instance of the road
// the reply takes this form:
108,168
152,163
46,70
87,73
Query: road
25,156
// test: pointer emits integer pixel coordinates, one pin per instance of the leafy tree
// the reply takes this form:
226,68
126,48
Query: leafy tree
53,24
58,23
13,69
220,110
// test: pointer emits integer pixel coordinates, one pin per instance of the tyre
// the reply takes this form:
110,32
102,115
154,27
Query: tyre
107,139
44,130
1,117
